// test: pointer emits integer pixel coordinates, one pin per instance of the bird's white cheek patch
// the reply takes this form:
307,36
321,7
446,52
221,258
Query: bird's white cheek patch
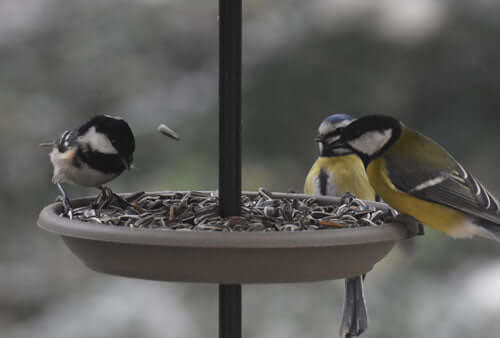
98,142
332,139
371,142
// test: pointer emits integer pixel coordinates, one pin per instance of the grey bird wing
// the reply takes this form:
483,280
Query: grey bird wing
423,169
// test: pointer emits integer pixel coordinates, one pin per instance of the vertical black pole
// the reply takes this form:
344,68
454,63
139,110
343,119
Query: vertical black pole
230,107
230,21
230,311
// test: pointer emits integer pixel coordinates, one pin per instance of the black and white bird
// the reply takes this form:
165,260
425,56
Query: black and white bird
92,155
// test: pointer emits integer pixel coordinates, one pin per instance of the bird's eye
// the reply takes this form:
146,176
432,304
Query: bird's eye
357,133
339,131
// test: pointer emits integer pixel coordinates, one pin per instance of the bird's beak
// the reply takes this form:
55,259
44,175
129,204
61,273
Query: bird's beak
329,148
47,145
319,140
163,129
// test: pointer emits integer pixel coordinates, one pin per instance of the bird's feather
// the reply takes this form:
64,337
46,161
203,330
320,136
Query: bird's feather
421,168
354,319
335,176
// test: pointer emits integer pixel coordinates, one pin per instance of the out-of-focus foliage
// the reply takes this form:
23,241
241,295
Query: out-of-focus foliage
434,65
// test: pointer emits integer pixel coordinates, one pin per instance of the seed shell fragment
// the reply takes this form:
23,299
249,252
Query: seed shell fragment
198,211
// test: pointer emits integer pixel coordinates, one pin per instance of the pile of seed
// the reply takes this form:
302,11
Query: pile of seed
198,211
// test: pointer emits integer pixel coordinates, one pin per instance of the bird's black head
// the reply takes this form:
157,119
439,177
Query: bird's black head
370,136
108,135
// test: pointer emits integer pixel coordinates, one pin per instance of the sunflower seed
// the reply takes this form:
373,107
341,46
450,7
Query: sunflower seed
198,211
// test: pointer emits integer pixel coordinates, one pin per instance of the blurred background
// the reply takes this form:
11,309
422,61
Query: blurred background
433,64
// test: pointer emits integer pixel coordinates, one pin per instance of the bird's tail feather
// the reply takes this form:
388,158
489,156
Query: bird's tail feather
493,229
354,318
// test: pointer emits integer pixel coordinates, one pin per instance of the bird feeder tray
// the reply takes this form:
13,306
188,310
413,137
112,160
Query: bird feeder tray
227,257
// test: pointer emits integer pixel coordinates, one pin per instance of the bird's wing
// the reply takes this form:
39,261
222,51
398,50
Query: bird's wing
420,167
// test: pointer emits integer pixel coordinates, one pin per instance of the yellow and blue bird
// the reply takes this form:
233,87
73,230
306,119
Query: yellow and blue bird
339,170
418,177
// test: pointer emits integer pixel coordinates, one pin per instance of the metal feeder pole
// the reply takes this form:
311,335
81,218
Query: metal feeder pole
230,22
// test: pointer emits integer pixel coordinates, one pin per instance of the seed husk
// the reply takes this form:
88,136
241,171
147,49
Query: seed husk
198,211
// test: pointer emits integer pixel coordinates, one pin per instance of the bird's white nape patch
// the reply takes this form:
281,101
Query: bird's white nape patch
97,141
327,127
371,142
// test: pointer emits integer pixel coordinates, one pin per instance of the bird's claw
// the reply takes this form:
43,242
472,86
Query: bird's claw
102,200
107,197
421,230
415,228
68,209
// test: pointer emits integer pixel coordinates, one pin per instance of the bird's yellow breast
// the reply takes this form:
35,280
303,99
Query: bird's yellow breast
348,175
447,220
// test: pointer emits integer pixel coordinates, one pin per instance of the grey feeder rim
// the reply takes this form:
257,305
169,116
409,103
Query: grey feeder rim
227,257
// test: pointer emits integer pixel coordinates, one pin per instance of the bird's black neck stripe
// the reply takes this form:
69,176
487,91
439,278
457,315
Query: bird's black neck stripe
323,182
331,153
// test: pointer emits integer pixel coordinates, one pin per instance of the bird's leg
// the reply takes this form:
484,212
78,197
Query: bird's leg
421,230
120,201
107,196
413,225
68,210
100,201
95,204
103,199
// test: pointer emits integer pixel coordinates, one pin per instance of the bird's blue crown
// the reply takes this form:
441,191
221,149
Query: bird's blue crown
336,118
